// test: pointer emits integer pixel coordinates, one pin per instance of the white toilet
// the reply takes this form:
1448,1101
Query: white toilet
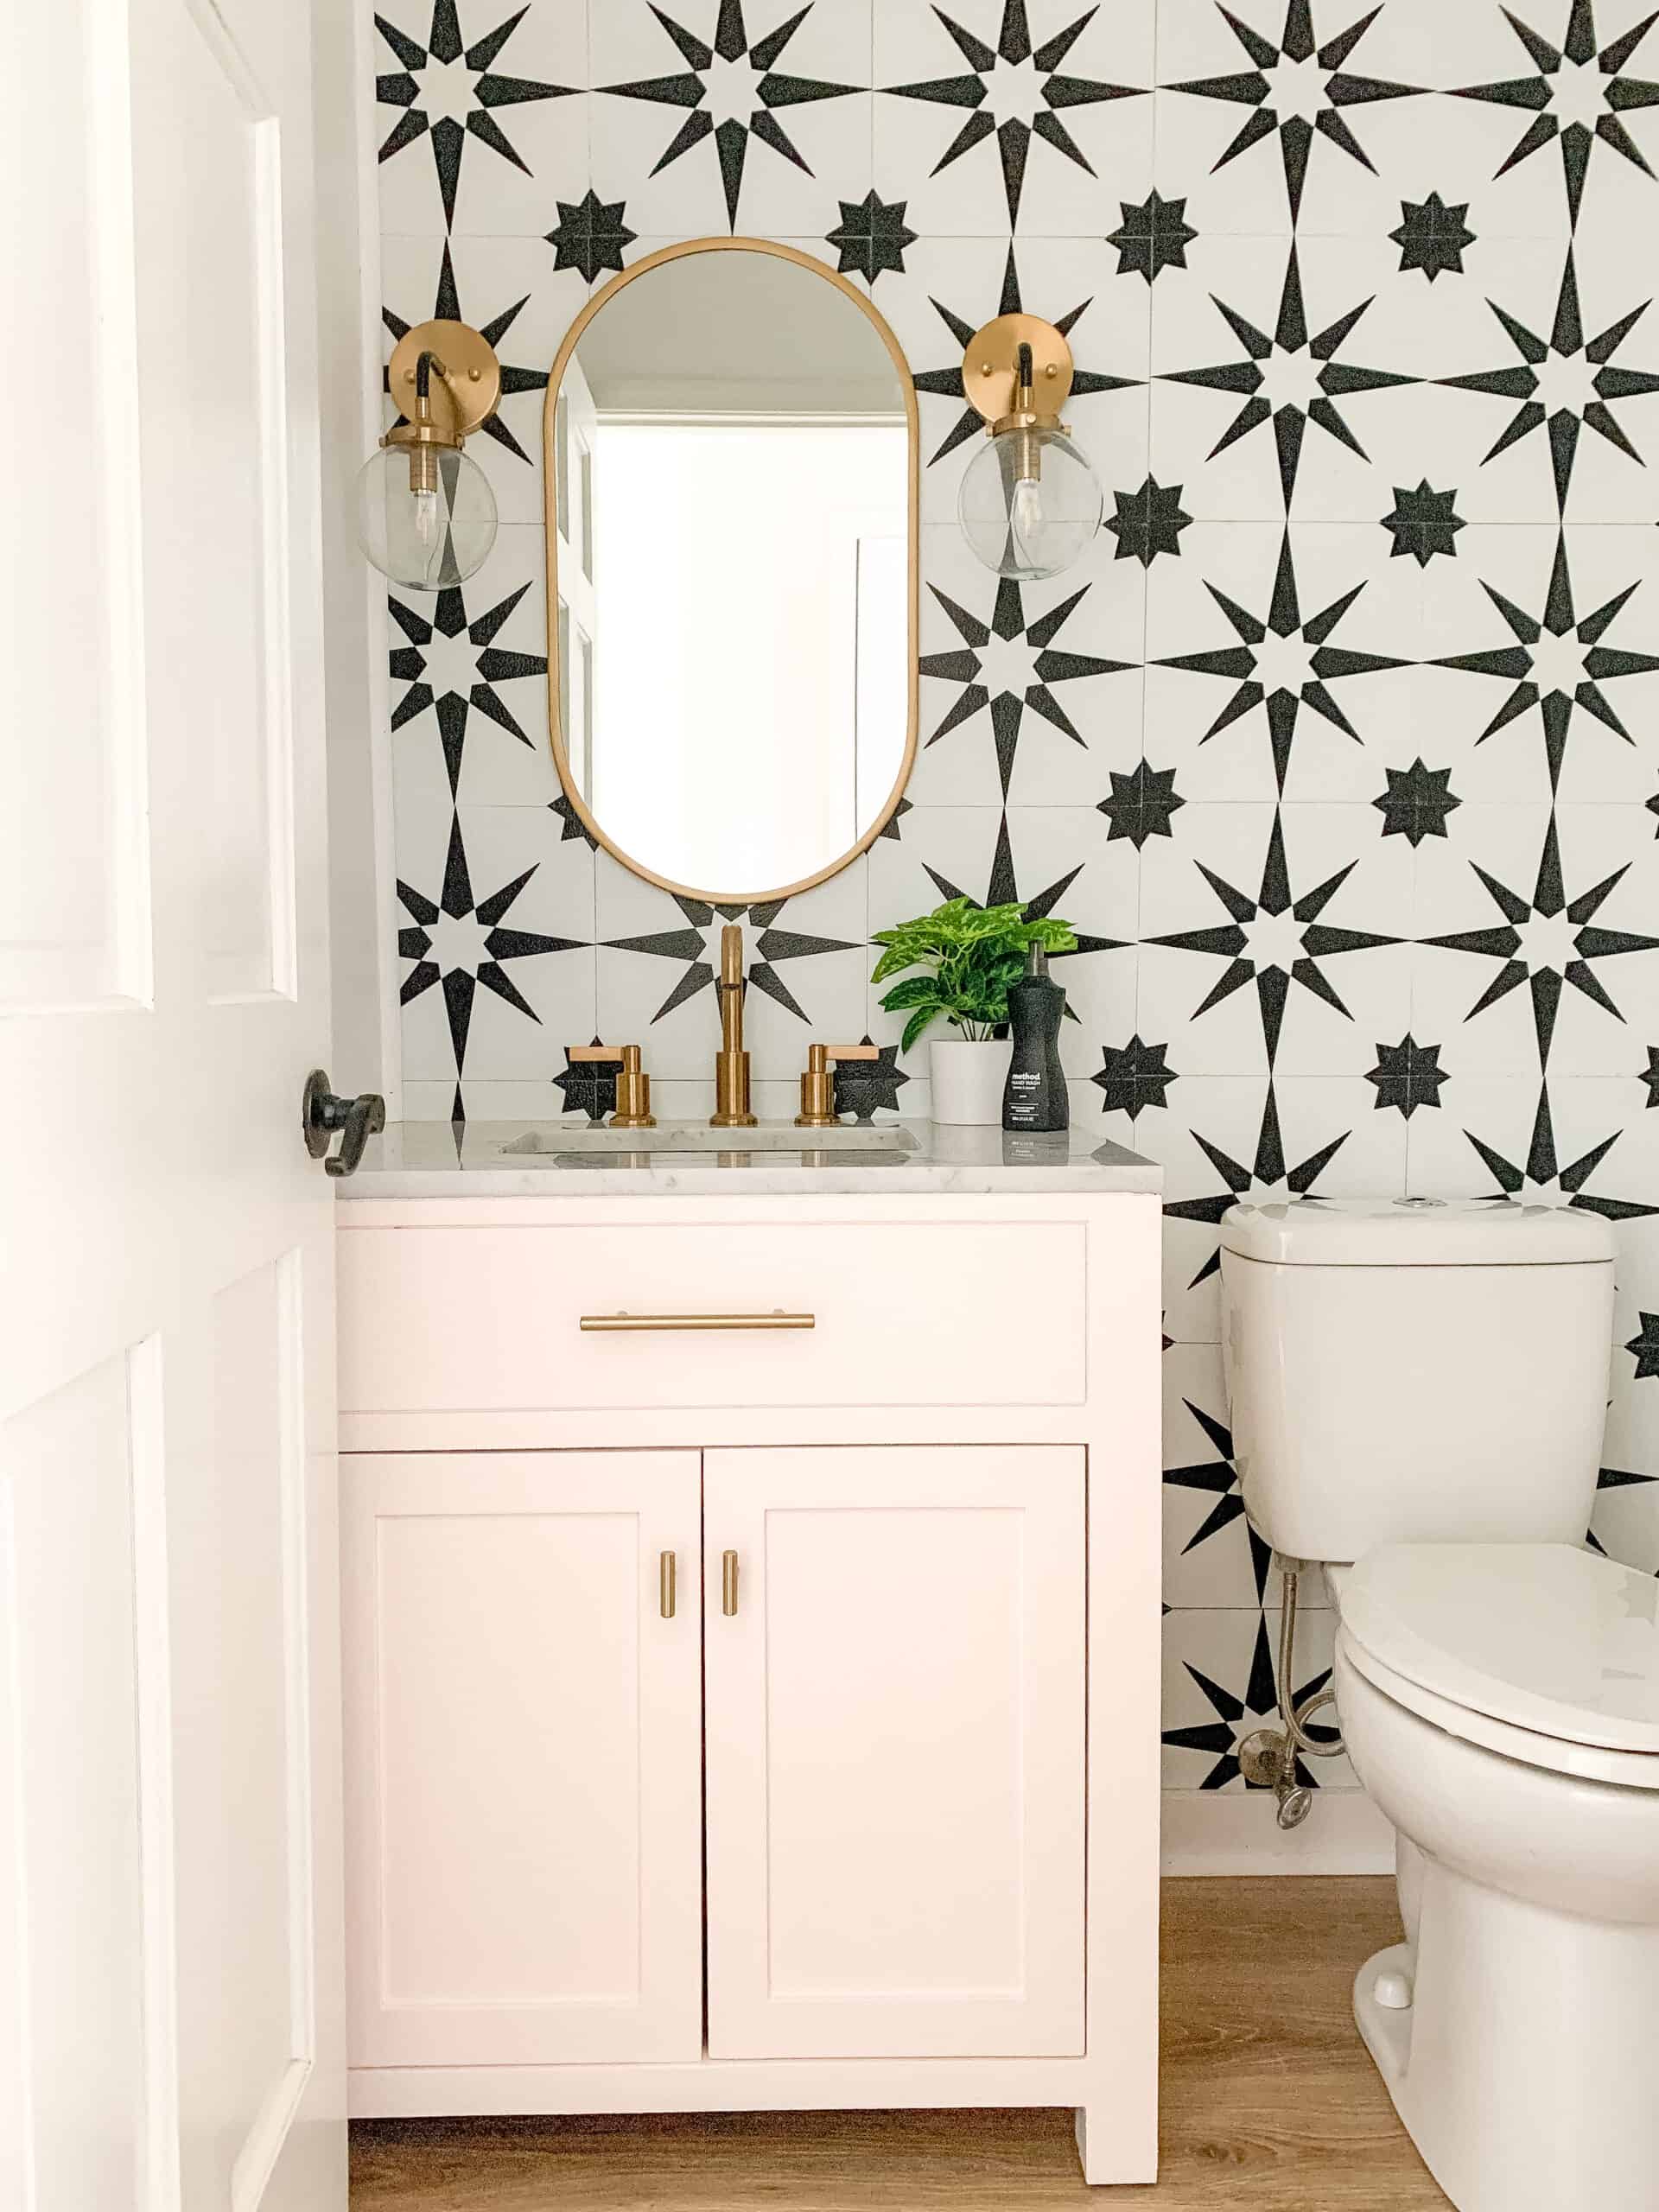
1418,1391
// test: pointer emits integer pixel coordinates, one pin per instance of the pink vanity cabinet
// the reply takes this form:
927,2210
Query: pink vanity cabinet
755,1716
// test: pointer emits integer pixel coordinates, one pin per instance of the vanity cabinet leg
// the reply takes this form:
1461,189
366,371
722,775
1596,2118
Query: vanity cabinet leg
1100,2150
1083,2144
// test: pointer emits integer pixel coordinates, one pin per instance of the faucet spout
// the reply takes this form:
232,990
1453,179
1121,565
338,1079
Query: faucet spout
732,1061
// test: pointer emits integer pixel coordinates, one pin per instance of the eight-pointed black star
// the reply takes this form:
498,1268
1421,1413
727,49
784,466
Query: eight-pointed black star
446,307
1552,653
1219,1479
734,74
690,946
1267,1180
1539,958
453,665
462,943
591,235
1645,1346
1141,806
1416,803
1562,75
1232,940
1009,664
463,77
1291,652
1005,79
1424,523
1149,522
1600,382
1282,364
1153,236
1541,1179
1285,85
1236,1718
1407,1074
1133,1076
947,383
1432,236
872,237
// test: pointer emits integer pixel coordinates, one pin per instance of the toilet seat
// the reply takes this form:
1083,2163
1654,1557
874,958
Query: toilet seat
1543,1653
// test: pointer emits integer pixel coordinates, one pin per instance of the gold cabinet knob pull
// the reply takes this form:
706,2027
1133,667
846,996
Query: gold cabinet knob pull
729,1583
667,1575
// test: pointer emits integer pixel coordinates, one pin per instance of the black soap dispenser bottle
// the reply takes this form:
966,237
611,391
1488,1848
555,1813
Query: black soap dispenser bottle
1035,1095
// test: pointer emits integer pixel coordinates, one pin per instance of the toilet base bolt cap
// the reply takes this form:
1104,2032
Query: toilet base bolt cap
1392,1991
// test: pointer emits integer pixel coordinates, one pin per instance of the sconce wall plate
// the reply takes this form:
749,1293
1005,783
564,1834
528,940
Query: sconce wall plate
472,385
990,371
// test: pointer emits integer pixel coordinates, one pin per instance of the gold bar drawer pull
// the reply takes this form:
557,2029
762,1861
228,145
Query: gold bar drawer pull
641,1324
667,1575
729,1583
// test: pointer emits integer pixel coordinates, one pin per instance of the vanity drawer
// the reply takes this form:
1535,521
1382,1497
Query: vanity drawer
948,1314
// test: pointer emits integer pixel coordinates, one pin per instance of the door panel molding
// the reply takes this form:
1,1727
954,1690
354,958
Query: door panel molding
501,1726
879,1884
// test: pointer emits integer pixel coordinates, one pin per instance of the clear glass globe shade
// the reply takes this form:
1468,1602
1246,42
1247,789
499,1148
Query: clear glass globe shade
425,539
1030,504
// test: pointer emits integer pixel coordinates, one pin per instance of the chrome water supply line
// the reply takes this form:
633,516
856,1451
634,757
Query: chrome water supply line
1267,1757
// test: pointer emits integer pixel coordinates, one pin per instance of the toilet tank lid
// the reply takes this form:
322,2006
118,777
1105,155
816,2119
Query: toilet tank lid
1414,1233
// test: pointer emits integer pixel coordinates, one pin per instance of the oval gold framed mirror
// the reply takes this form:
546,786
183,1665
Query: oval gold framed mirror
733,487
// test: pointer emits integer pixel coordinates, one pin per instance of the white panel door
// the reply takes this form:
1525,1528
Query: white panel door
523,1756
895,1751
171,1999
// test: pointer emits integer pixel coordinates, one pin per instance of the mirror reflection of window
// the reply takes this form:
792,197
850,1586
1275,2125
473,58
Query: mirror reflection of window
736,437
735,554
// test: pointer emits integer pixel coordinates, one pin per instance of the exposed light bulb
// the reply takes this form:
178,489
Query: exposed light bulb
427,520
1025,519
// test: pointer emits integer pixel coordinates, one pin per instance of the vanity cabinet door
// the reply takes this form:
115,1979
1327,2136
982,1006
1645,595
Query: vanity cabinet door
522,1757
895,1746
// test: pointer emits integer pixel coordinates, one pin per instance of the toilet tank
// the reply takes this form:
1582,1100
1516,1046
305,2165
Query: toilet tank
1404,1371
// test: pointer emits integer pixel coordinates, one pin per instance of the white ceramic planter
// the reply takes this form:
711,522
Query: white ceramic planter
968,1080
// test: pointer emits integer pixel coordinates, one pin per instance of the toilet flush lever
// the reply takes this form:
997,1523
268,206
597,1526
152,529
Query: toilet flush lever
323,1117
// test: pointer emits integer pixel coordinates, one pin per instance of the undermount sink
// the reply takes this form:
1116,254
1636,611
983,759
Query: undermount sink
864,1140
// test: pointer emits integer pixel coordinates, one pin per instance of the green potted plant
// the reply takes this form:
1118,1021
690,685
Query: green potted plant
969,956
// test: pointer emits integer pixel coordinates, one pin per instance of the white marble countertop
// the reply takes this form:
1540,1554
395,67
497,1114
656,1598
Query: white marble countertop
435,1160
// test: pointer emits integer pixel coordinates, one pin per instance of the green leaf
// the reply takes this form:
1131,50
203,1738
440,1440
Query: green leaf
917,1022
920,990
892,962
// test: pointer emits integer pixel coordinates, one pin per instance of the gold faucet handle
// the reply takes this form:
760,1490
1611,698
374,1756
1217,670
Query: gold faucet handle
632,1084
818,1084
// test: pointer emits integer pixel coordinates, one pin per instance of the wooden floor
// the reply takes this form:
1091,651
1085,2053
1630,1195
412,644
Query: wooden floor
1269,2100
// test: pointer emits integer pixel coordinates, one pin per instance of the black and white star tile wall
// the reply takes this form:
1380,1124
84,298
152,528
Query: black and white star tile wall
1340,749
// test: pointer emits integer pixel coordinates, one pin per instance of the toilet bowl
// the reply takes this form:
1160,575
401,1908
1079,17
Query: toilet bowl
1501,1706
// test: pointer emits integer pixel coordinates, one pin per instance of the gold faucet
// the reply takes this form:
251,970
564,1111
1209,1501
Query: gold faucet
731,1062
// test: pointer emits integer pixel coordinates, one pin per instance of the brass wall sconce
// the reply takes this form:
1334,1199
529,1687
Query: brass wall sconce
426,515
1030,504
